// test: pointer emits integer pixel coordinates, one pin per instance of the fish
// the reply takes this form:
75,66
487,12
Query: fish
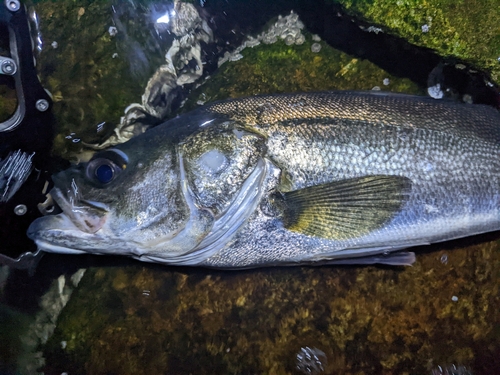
338,177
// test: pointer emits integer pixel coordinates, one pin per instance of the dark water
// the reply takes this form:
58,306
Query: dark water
100,315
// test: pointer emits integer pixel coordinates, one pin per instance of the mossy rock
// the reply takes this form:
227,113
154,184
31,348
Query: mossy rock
278,68
468,30
154,319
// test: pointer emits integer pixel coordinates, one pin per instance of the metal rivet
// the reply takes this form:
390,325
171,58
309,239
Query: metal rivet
20,209
13,5
8,67
42,105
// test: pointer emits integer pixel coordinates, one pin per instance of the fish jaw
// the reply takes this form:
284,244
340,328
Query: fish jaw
78,223
87,216
78,229
58,234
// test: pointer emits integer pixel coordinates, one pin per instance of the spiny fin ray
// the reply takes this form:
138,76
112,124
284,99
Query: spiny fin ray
344,209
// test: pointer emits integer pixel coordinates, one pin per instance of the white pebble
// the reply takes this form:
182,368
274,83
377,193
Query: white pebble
454,298
373,29
235,57
435,91
315,48
112,31
300,40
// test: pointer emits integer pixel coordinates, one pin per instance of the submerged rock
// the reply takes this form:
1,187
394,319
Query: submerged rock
278,67
151,319
466,30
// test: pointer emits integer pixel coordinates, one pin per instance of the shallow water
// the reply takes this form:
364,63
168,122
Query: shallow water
142,319
100,315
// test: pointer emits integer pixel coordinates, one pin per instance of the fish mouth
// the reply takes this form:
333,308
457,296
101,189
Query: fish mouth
88,216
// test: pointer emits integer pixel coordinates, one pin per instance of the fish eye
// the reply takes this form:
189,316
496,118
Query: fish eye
102,171
105,166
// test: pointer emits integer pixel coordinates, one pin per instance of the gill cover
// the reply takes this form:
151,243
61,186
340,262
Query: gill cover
218,160
221,177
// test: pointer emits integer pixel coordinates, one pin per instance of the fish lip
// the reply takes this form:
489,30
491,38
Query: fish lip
66,205
89,217
60,200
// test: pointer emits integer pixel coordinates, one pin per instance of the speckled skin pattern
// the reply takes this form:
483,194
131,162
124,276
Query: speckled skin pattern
450,151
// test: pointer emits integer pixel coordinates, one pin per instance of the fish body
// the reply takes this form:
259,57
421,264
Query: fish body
331,177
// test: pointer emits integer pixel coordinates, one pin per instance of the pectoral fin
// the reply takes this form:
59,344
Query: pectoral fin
344,209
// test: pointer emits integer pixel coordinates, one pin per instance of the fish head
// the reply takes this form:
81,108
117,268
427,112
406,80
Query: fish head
152,198
120,201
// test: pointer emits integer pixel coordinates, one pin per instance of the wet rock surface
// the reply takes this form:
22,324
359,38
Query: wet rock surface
310,66
465,30
145,319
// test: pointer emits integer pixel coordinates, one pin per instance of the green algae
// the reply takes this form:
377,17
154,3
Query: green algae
143,320
468,30
85,71
277,68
